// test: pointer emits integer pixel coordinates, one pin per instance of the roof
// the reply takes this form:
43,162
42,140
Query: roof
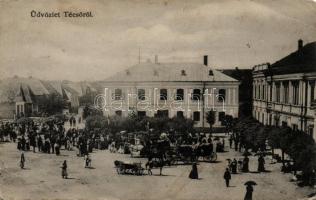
24,94
300,61
10,88
168,72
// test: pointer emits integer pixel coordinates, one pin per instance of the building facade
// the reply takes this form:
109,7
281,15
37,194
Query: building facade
244,76
284,91
171,89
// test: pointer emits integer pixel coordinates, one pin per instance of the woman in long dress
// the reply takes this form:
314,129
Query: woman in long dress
194,172
249,191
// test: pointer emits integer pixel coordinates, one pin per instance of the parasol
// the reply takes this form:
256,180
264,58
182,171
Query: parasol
250,183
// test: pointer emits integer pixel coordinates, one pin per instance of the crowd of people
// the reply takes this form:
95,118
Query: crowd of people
51,136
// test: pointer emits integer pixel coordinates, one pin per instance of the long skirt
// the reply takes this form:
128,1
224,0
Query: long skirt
64,173
193,174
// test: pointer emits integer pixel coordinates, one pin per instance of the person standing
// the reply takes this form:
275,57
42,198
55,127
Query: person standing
245,167
249,190
261,164
64,173
22,161
57,148
87,161
194,172
33,141
23,143
234,166
39,143
236,143
223,143
227,177
231,141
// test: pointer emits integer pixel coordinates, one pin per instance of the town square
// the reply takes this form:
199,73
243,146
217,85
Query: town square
159,99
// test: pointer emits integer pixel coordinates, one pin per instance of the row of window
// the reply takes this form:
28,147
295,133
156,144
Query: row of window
196,95
276,121
165,113
282,92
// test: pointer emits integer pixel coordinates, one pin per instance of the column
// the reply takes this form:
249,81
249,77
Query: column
290,92
281,92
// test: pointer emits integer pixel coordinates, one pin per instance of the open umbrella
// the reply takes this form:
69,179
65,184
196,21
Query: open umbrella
250,183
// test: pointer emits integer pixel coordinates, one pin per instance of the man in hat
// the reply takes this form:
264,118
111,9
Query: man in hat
227,177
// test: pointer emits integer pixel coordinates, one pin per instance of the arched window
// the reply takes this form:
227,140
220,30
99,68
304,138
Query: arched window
221,95
180,114
141,94
180,95
196,96
163,94
118,94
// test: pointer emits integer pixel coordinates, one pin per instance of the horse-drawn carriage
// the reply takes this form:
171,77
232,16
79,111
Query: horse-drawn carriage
190,153
129,168
205,150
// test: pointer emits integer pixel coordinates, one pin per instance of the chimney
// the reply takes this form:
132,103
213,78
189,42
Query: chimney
156,59
300,44
205,60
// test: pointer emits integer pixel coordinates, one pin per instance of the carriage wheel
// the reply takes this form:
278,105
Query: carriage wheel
207,158
173,162
214,157
141,172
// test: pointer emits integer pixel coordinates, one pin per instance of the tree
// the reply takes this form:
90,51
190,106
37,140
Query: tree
211,118
228,122
52,104
89,110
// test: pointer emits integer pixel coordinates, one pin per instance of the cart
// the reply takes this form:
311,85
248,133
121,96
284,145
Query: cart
129,168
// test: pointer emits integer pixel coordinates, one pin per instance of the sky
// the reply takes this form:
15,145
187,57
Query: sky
233,33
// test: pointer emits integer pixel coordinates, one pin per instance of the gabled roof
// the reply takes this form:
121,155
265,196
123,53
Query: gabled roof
168,72
300,61
24,94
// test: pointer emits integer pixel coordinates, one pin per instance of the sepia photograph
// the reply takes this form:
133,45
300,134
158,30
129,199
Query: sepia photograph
157,100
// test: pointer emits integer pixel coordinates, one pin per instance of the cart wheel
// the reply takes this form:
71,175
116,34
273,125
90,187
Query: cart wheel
207,158
214,157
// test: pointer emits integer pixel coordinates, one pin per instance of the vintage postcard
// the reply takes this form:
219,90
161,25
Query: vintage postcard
157,99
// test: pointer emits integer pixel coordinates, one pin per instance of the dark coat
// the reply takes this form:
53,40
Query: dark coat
248,195
227,175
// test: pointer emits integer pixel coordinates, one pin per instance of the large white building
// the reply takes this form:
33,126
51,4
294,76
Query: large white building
171,89
284,91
